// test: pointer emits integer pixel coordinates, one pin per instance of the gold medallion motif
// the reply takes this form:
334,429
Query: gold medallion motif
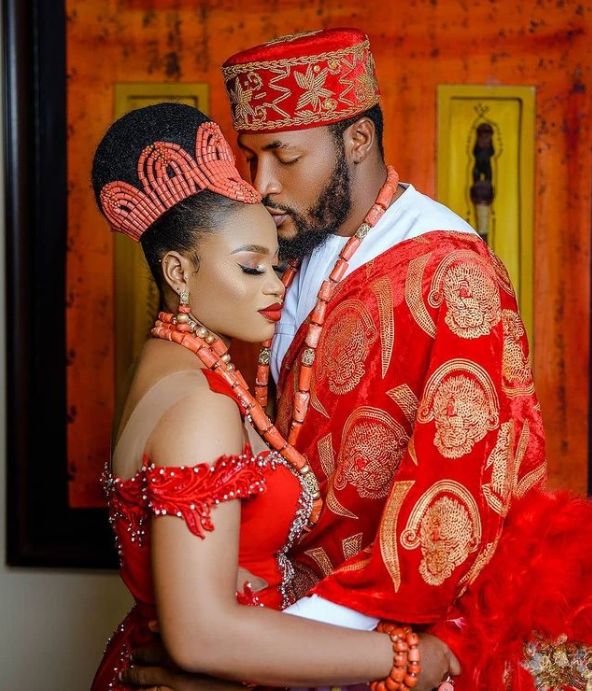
467,285
344,345
372,447
461,400
446,526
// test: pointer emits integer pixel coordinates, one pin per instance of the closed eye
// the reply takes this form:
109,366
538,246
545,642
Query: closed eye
252,271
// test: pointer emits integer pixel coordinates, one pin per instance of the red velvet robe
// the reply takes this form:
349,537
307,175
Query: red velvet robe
423,429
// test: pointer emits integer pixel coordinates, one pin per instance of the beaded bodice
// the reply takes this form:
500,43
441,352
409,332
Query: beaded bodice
191,493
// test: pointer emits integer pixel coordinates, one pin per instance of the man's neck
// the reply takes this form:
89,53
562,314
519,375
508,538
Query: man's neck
364,190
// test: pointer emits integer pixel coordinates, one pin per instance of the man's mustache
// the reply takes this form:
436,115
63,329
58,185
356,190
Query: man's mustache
266,201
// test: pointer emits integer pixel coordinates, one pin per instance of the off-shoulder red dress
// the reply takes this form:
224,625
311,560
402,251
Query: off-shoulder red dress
274,511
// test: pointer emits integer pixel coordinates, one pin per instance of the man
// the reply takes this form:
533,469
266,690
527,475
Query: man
419,416
421,395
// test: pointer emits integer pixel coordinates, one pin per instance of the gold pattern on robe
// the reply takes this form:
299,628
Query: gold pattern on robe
284,413
412,451
305,578
517,375
388,530
326,454
352,545
344,345
357,565
314,399
504,472
535,477
407,401
372,447
321,558
483,558
334,505
446,525
414,294
503,277
462,401
383,291
468,287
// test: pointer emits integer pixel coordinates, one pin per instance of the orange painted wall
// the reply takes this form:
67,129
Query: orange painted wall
418,44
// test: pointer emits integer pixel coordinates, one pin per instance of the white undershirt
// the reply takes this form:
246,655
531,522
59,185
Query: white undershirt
411,215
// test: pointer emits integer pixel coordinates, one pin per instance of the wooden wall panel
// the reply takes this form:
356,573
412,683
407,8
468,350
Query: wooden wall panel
417,44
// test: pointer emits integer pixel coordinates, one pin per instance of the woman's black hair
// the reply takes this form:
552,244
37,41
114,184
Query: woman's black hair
116,158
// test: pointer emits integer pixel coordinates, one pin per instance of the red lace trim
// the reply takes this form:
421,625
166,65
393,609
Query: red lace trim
190,492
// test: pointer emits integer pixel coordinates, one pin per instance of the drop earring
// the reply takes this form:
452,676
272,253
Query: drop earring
184,309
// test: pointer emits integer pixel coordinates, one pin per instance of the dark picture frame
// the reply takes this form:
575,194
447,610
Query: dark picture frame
43,530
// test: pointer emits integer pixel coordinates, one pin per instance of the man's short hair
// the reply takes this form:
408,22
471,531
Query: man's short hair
375,114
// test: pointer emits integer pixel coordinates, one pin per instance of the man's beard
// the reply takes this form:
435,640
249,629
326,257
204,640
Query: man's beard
325,217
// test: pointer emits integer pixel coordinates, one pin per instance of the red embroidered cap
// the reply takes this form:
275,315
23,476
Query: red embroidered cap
300,81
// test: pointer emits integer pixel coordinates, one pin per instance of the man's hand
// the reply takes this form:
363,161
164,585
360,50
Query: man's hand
154,671
437,662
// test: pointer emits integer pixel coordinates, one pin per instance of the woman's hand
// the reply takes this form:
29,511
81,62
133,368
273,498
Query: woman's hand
437,662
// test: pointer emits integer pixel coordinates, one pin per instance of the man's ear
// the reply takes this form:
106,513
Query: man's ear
359,139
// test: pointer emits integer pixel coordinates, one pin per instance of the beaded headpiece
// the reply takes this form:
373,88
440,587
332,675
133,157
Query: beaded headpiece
301,81
169,175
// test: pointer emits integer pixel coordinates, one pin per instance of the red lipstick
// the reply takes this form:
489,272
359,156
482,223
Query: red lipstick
273,312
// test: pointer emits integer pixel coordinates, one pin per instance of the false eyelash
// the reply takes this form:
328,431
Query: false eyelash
252,272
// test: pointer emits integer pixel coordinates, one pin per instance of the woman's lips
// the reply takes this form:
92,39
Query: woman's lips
273,313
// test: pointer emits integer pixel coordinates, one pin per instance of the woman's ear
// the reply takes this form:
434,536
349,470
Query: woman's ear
174,271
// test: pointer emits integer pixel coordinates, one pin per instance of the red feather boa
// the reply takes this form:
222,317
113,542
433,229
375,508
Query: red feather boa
540,579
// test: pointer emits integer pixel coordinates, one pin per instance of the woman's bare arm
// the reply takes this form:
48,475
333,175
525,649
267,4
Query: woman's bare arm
203,627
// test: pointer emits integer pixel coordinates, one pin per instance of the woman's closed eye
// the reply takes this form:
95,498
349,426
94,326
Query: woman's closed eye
253,270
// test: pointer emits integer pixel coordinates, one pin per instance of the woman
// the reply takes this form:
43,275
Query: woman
187,443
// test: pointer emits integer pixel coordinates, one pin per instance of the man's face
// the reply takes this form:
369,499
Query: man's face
304,180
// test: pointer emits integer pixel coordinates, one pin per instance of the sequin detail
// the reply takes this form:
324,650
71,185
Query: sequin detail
558,665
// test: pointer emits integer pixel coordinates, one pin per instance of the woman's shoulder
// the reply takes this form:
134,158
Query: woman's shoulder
200,426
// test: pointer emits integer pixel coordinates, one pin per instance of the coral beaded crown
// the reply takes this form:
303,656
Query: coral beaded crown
168,175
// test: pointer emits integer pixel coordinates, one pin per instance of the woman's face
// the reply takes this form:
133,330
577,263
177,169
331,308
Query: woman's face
235,292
